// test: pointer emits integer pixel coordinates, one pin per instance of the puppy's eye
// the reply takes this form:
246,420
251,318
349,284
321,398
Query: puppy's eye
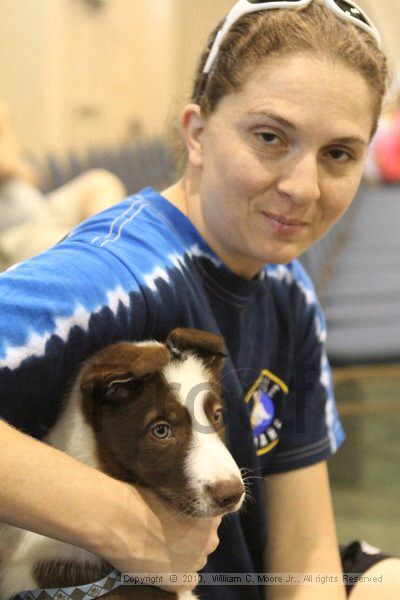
219,417
161,431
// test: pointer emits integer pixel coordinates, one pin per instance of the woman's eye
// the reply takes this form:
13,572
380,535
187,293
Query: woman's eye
269,137
339,155
161,431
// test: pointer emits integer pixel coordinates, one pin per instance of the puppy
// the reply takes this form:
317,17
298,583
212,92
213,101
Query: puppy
146,413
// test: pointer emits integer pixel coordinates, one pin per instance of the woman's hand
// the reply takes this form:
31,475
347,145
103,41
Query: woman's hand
62,498
151,537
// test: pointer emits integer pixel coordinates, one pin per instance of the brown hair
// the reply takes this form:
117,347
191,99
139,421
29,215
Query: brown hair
258,35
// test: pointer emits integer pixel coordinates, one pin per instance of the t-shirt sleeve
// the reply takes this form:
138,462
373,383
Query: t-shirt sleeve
311,429
56,310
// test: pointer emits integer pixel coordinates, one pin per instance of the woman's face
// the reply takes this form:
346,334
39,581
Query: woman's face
279,161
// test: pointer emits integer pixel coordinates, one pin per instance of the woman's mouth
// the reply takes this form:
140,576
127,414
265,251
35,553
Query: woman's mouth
283,224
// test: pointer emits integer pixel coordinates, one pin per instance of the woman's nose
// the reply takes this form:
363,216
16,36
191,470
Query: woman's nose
300,180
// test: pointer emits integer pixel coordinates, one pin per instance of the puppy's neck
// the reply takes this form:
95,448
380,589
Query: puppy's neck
72,434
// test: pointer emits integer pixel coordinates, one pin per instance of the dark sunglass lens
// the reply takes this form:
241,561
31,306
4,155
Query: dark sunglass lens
352,11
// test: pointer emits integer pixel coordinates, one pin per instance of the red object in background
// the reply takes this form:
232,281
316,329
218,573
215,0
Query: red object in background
387,147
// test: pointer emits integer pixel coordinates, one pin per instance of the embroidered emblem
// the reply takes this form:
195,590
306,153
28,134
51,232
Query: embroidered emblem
266,399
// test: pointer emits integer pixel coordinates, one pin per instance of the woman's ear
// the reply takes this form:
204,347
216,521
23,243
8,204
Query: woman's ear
193,130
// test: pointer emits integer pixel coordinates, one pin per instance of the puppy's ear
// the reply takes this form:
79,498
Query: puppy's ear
113,374
208,346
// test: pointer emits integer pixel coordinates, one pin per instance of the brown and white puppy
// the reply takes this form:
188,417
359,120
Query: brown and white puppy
145,413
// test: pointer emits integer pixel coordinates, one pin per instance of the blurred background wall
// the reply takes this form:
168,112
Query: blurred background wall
77,73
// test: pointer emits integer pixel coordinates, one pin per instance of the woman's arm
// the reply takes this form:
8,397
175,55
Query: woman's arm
301,532
48,492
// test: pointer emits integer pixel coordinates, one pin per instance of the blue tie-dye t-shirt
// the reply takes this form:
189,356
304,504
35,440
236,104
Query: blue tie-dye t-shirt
135,272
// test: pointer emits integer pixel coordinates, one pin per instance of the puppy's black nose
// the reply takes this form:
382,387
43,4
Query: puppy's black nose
226,493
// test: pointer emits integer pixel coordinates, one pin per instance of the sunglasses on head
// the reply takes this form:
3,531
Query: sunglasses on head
343,9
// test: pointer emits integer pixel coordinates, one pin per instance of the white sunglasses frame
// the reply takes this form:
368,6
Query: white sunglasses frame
244,7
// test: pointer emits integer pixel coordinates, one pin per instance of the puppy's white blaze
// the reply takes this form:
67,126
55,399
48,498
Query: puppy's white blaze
191,382
209,461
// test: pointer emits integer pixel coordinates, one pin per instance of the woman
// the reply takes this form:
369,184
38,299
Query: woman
284,106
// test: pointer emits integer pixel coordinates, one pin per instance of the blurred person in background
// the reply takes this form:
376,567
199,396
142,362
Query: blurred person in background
383,161
31,221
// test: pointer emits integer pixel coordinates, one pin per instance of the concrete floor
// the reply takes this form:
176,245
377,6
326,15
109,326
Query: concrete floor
365,473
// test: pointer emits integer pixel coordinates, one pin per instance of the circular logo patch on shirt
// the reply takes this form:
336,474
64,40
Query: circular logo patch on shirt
265,399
